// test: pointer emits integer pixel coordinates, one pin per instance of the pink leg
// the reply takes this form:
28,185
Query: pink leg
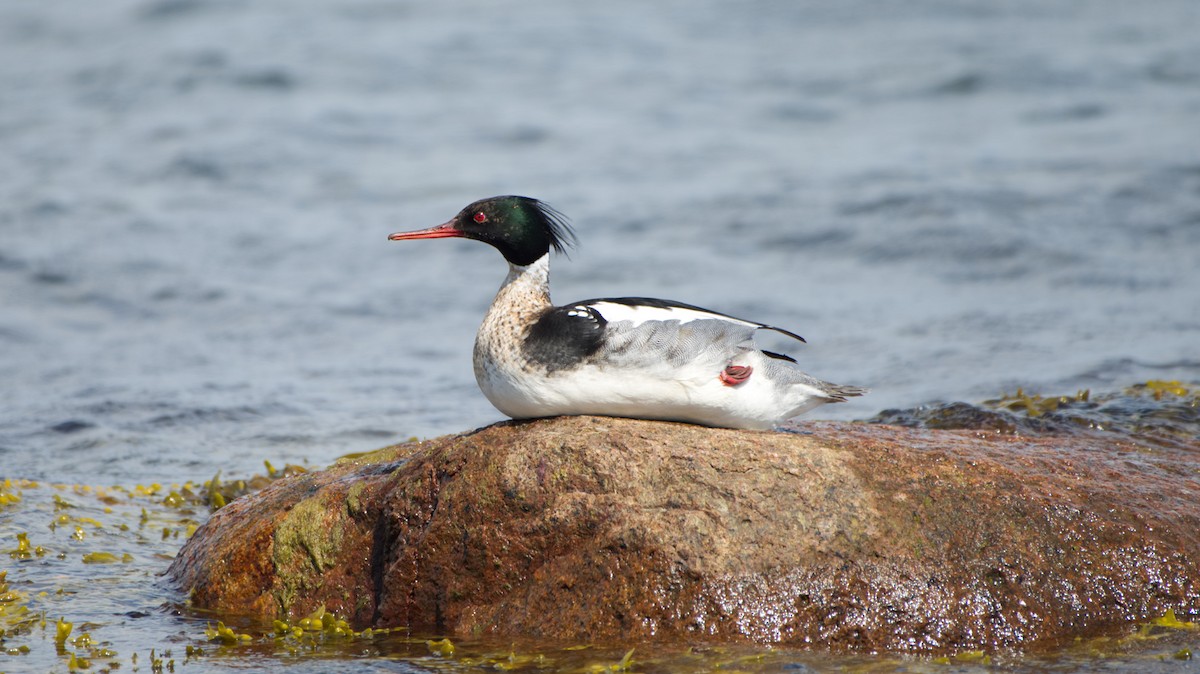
733,375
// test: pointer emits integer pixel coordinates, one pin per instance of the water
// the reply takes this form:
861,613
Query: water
949,200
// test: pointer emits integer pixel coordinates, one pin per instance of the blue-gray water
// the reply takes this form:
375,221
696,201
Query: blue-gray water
948,199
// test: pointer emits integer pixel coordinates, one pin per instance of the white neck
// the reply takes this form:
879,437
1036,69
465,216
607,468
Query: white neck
526,287
522,299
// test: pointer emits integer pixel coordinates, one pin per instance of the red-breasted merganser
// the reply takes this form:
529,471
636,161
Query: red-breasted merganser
624,357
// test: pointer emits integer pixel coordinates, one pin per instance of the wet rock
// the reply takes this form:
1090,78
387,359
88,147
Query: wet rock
842,535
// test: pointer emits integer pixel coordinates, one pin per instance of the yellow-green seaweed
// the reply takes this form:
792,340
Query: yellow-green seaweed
441,647
62,630
225,635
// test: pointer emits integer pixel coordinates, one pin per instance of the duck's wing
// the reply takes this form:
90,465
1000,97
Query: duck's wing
638,310
648,334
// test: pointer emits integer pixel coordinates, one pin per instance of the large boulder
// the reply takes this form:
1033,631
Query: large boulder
844,535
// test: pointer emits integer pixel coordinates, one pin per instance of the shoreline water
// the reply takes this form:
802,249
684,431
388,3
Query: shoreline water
98,566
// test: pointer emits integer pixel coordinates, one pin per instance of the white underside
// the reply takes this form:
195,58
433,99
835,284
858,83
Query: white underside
692,394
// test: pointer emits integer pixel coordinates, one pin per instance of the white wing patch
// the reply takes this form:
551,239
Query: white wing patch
637,314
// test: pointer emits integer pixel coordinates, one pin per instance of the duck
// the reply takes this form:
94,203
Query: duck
630,357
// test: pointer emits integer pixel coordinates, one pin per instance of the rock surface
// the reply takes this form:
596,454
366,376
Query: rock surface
845,535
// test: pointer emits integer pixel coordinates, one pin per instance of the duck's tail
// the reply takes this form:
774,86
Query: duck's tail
837,393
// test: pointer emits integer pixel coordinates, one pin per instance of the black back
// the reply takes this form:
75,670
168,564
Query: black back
564,336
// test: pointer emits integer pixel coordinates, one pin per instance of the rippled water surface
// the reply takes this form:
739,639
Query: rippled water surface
949,200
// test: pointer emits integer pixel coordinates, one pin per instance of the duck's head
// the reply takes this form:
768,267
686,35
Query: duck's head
521,228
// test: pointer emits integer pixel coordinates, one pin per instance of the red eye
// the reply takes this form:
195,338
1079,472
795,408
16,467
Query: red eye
480,218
